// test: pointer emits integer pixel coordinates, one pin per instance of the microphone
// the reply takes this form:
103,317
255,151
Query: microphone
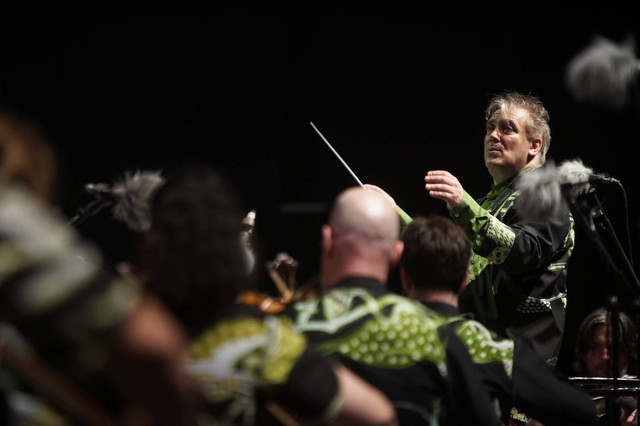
593,179
130,197
100,190
577,179
544,192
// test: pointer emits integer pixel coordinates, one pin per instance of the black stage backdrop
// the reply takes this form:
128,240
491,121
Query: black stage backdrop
397,90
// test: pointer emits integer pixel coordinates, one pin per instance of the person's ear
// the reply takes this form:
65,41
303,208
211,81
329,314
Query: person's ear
407,285
463,283
327,239
398,248
535,146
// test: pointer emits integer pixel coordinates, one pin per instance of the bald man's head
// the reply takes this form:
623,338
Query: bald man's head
362,237
365,214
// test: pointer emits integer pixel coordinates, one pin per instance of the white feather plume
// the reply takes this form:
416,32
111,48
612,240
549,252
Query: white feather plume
545,192
540,196
574,176
603,72
133,198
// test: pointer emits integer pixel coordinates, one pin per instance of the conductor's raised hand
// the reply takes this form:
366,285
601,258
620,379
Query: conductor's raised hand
443,185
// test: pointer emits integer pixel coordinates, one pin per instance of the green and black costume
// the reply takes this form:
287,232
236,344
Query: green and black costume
393,343
518,269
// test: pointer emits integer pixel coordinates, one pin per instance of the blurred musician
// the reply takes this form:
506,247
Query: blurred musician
595,363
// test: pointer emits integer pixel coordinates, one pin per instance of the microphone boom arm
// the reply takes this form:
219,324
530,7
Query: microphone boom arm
90,209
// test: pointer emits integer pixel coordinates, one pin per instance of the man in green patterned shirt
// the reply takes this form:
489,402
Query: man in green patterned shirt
389,340
518,268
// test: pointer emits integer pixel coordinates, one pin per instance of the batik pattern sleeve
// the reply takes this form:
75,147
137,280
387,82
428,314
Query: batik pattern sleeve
489,237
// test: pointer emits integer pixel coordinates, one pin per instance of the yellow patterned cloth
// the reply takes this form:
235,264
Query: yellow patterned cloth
245,362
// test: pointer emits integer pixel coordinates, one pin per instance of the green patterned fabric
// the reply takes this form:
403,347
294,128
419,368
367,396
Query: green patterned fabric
483,345
246,362
262,352
394,343
392,331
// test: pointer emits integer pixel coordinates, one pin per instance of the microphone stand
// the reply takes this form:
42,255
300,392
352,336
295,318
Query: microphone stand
589,213
613,408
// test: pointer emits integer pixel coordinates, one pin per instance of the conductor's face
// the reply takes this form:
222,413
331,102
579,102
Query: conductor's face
506,147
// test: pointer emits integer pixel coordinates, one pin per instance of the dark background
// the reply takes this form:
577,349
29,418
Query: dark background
397,90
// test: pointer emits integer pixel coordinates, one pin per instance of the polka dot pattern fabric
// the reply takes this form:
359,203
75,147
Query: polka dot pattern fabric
483,345
390,331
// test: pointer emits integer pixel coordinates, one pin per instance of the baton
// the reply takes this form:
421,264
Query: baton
336,153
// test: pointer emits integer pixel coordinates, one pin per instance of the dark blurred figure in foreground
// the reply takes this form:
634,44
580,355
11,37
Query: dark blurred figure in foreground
76,335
